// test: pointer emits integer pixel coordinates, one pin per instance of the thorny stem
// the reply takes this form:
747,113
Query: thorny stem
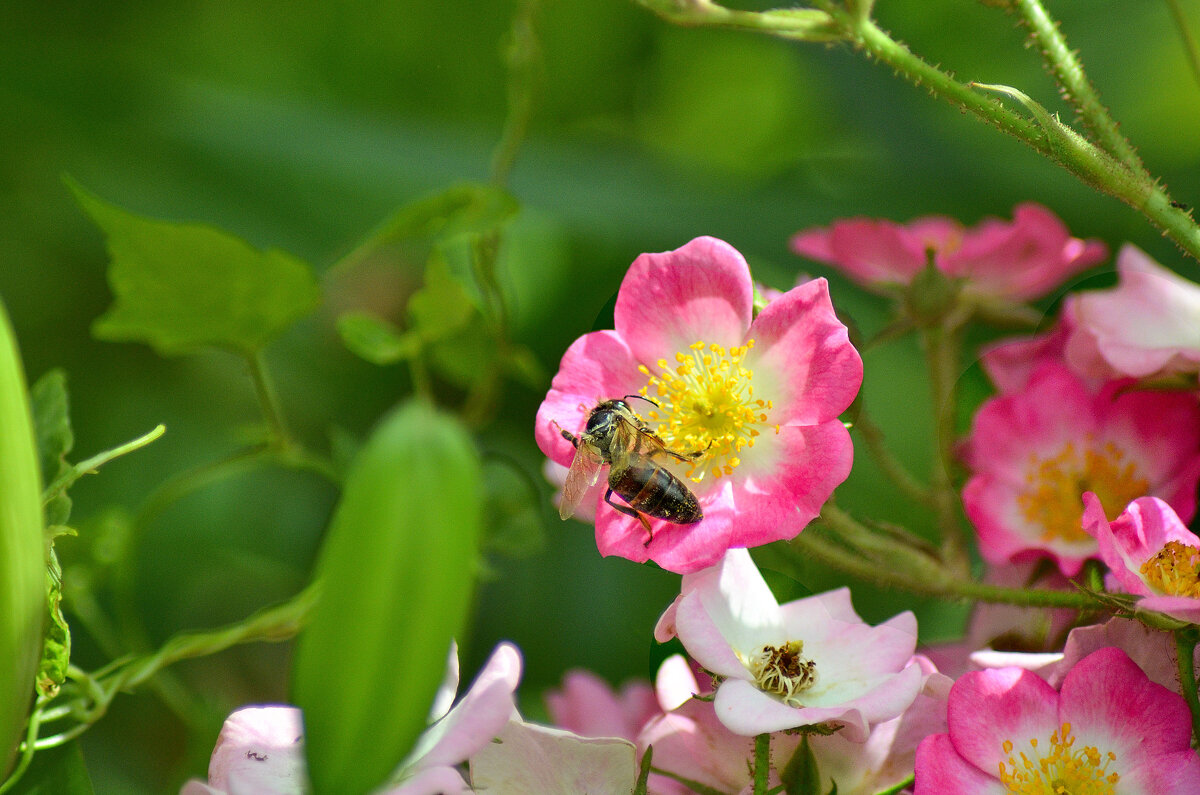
1090,164
1077,88
942,346
1185,651
762,763
910,572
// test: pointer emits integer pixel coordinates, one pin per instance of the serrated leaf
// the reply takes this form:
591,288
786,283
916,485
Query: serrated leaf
396,573
52,424
183,286
376,340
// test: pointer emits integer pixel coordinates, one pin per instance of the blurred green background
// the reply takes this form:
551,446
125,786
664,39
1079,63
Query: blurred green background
301,125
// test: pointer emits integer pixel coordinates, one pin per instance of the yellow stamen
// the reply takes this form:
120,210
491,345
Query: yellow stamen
1059,769
782,671
1174,570
1055,486
708,406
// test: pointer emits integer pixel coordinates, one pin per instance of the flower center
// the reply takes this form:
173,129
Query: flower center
1054,487
707,404
1059,769
783,671
1174,570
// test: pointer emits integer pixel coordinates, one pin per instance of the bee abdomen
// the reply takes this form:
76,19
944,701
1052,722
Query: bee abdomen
656,492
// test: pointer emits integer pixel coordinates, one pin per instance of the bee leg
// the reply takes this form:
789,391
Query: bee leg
570,437
628,511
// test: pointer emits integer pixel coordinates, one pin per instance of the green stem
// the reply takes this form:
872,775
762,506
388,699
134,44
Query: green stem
1185,651
809,546
1078,90
892,468
269,625
1090,164
942,352
75,472
523,60
1185,33
268,401
762,763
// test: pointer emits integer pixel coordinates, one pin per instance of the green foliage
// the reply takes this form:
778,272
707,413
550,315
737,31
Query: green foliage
396,577
180,287
56,645
22,549
463,209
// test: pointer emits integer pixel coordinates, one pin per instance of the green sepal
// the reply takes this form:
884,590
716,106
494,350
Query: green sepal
800,776
180,287
396,572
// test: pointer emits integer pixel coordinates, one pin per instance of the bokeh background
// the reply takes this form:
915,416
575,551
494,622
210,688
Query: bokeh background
301,125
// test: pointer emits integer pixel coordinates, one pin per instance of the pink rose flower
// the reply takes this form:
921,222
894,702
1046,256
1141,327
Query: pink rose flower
1149,553
260,749
1017,261
1034,453
755,399
805,662
1148,325
588,706
1109,729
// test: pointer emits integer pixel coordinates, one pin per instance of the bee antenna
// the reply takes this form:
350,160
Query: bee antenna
643,397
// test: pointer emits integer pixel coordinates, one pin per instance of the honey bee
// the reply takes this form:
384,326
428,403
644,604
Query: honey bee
614,435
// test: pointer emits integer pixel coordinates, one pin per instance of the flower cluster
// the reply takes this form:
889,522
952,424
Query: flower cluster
708,422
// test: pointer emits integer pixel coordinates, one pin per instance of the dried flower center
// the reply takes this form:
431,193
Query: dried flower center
1174,570
1054,487
783,671
1060,769
706,404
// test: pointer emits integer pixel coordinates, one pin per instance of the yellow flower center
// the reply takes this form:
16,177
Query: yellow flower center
782,671
1174,570
1054,487
706,404
1060,769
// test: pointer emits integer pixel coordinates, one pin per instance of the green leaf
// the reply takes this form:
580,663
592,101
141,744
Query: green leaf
441,306
376,340
800,776
460,209
56,645
57,771
22,550
52,424
182,286
396,574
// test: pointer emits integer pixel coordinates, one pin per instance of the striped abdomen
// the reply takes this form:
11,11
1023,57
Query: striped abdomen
655,492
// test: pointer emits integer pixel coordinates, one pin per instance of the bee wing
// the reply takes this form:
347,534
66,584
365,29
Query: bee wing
583,474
